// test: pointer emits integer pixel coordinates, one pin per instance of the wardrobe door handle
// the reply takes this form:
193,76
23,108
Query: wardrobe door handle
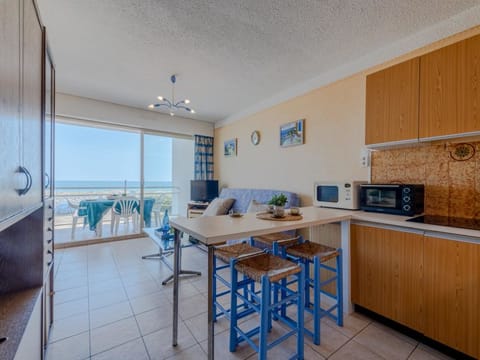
23,170
47,182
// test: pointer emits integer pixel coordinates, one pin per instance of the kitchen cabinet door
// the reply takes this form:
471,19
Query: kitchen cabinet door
452,294
468,95
450,90
392,104
438,92
387,273
32,103
9,107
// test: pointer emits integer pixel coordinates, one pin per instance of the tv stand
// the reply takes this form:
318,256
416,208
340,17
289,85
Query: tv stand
196,208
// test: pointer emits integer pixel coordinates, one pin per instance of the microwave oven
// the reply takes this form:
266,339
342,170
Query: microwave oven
402,199
337,194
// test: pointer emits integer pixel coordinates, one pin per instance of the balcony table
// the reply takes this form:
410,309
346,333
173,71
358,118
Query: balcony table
96,209
214,230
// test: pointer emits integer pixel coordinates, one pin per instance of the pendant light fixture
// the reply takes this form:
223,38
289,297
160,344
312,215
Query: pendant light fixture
171,105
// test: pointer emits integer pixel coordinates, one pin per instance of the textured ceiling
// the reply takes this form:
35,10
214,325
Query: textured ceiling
230,55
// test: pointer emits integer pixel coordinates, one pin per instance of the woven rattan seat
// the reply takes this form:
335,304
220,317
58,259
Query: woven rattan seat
282,238
309,250
274,267
235,251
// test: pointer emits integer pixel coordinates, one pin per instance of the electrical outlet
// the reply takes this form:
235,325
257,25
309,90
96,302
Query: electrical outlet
364,158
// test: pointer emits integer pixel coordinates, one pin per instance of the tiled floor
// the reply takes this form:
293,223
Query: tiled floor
110,304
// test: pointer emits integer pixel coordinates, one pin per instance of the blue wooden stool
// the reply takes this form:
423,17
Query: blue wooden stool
226,253
309,253
269,271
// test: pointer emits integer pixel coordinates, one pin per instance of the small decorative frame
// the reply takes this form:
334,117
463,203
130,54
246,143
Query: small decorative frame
230,147
292,133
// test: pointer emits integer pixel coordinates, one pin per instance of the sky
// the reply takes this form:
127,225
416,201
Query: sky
92,154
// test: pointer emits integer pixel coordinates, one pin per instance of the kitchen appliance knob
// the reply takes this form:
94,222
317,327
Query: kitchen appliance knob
406,208
406,190
406,199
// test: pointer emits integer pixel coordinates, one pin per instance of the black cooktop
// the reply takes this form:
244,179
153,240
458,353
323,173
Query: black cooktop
473,224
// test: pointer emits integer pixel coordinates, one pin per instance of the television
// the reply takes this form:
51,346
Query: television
203,190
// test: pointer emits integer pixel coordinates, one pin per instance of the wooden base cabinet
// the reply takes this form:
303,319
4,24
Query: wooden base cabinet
452,294
386,268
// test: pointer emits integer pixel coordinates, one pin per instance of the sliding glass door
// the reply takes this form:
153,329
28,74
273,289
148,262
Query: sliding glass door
112,182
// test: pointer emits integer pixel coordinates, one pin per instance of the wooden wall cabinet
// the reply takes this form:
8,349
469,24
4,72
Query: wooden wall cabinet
386,267
452,294
392,104
434,96
450,90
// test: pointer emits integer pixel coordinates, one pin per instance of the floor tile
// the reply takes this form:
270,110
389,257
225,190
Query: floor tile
198,326
192,306
109,336
159,343
107,298
71,308
222,350
70,326
423,352
355,351
141,289
134,350
194,353
352,324
109,314
385,343
148,302
331,340
156,319
63,296
73,348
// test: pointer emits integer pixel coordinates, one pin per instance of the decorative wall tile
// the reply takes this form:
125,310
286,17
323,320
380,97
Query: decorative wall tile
452,187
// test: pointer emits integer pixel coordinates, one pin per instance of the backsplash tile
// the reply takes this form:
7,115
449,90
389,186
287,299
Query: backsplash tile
452,188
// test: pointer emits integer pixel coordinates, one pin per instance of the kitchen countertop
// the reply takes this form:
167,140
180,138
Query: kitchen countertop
400,221
15,311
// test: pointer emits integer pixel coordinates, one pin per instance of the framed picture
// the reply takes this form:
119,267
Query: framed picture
292,133
230,147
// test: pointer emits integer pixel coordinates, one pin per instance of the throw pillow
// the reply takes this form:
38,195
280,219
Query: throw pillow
256,206
218,207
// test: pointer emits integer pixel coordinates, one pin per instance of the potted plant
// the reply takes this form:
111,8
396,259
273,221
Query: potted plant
278,202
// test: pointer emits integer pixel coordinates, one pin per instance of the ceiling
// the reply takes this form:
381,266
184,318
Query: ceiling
231,57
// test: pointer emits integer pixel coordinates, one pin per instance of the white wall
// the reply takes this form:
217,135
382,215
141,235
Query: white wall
100,111
182,173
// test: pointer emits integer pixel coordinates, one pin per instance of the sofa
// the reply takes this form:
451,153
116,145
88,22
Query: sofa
243,197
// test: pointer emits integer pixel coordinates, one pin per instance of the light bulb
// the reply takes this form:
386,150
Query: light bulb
192,111
151,106
187,101
171,113
160,98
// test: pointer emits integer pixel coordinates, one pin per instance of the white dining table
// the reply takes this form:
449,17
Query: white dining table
214,230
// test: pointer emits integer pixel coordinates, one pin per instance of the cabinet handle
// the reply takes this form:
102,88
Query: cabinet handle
49,241
50,207
49,252
3,339
26,189
49,229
